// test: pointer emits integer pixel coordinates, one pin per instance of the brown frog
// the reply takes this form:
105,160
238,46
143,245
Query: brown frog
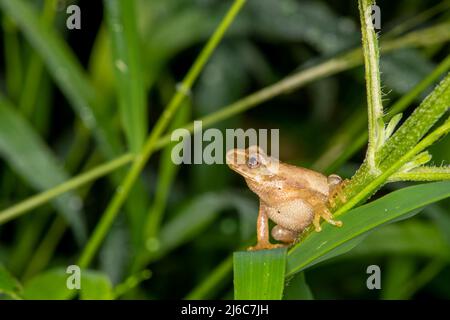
292,197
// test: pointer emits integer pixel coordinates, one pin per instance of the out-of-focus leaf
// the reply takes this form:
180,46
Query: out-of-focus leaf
8,284
297,289
441,219
52,285
332,241
195,216
399,271
29,156
95,286
408,238
310,21
121,18
115,252
259,275
403,69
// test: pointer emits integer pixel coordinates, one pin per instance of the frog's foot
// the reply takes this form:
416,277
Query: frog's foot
321,211
265,246
284,235
337,186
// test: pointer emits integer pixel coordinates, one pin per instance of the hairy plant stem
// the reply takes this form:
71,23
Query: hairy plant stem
373,84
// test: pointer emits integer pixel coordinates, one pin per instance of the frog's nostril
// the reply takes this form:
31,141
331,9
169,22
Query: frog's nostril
229,158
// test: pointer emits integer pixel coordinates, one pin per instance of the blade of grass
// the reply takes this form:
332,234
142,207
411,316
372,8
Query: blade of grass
259,275
28,155
212,282
8,284
139,162
13,59
122,22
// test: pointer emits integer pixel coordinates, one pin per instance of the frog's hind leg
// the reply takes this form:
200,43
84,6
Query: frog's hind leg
284,235
262,231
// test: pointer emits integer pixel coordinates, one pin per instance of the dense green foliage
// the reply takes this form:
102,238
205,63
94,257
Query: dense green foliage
85,171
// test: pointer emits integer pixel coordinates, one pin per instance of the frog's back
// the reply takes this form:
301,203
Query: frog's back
305,178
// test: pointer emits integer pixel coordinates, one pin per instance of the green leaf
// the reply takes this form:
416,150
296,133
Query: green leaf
8,284
400,270
30,157
122,23
259,275
95,286
52,285
332,241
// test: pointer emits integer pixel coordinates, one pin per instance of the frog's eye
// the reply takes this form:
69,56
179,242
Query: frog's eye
253,162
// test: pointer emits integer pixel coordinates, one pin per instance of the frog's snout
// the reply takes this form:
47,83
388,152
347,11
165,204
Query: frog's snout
229,158
235,158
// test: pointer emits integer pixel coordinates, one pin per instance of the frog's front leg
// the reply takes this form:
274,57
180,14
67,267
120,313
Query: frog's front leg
262,231
318,202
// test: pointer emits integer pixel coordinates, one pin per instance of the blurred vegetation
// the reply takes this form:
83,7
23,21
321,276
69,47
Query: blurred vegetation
64,111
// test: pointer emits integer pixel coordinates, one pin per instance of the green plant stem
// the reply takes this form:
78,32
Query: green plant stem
131,282
212,281
373,84
346,146
46,248
424,173
376,183
330,67
139,162
43,197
